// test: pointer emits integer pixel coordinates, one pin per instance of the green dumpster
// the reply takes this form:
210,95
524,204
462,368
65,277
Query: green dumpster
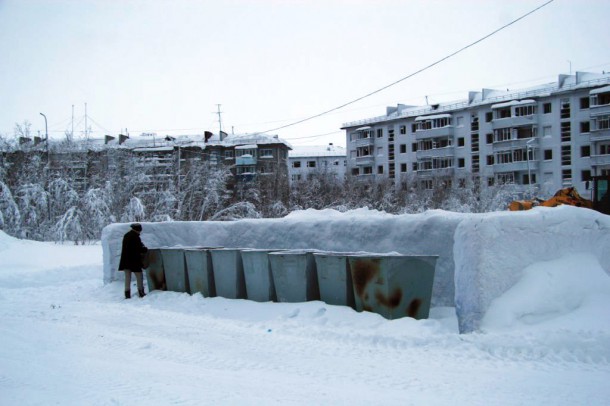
294,276
335,278
258,276
393,286
155,275
175,269
199,271
228,273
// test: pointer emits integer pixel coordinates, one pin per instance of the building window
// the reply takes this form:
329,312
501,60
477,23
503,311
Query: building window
296,177
525,110
490,181
364,151
564,111
602,122
526,179
413,127
265,153
433,123
489,116
566,155
490,159
604,149
414,166
566,175
584,103
585,175
403,148
474,122
585,151
403,168
380,133
414,147
311,164
461,162
296,164
566,131
546,108
489,138
229,154
548,154
461,142
367,170
355,171
585,127
403,129
474,143
380,169
546,131
503,113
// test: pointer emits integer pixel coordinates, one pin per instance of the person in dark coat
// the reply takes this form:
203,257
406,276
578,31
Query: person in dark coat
131,259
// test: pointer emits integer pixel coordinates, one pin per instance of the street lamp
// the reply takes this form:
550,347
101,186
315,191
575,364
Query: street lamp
46,132
529,172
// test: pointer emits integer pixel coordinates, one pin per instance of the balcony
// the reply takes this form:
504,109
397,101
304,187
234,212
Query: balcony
245,160
447,152
514,144
363,142
438,172
599,160
434,133
365,160
514,121
516,166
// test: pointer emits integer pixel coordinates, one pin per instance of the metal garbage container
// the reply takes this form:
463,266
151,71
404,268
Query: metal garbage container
155,275
199,271
294,276
228,273
335,278
258,276
175,269
393,286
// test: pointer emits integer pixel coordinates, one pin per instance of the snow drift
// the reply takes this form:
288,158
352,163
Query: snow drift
481,256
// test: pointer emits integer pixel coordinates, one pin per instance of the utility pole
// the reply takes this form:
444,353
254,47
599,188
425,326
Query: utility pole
219,122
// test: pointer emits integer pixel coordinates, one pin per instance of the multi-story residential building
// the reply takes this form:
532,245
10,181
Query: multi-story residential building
551,136
164,158
307,160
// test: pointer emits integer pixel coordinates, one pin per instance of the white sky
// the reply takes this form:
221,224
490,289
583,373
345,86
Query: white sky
162,66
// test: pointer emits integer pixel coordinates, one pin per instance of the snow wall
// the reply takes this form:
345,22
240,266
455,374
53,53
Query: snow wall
481,256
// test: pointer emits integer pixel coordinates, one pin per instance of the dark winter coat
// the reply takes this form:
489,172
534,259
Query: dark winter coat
131,252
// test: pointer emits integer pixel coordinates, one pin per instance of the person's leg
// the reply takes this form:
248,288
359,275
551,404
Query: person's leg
127,283
140,280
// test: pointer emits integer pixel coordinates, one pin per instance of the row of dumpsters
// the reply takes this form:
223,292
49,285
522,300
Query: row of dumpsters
391,285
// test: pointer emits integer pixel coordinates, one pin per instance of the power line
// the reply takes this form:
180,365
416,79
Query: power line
414,73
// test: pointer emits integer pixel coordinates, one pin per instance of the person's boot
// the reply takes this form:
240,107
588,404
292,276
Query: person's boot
141,292
127,294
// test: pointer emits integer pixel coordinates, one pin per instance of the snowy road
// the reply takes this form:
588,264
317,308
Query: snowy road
66,339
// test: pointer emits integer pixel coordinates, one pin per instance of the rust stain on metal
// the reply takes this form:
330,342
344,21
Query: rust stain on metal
413,307
363,272
392,301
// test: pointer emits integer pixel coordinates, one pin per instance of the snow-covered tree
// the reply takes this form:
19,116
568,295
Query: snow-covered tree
33,203
134,211
9,212
70,227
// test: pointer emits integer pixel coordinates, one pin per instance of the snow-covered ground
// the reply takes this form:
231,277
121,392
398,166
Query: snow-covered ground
68,339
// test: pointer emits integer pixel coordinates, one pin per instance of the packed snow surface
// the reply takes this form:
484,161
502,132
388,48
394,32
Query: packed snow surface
69,339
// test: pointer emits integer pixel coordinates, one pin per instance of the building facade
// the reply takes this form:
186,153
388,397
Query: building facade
309,160
550,136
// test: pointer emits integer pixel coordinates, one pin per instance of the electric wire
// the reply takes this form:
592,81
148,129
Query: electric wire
414,73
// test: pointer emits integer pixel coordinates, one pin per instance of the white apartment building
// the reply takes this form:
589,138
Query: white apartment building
550,136
306,160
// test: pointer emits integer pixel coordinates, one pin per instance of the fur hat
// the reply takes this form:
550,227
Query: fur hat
136,226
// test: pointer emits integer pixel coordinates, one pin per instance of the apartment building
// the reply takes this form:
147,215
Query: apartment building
304,161
549,136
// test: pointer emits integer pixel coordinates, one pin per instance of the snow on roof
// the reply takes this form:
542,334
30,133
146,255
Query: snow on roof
512,103
420,118
247,146
317,151
366,127
256,139
604,89
153,149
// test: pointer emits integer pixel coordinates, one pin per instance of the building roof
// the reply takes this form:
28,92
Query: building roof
317,151
564,83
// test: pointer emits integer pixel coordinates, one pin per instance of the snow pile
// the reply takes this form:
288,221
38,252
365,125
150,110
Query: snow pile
481,256
493,250
67,338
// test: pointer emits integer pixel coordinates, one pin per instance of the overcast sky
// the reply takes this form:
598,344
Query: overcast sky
163,66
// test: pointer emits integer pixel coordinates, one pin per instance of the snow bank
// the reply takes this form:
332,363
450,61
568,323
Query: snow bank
494,251
481,256
429,233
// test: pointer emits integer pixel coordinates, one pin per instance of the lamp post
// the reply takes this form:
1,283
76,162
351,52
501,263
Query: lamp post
529,172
